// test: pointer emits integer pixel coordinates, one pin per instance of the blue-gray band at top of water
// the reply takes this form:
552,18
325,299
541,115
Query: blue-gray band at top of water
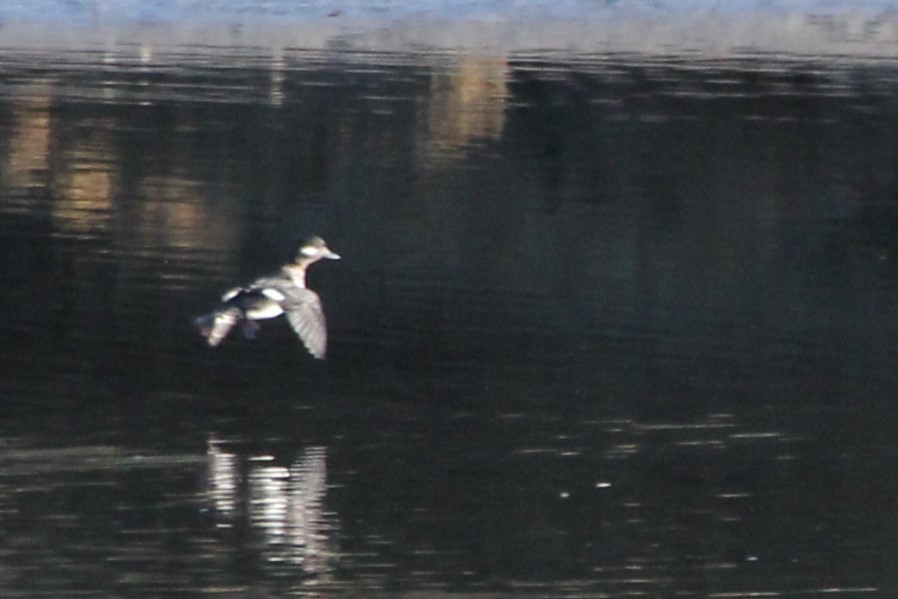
707,27
244,10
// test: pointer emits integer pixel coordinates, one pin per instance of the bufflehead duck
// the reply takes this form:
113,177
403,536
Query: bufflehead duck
269,297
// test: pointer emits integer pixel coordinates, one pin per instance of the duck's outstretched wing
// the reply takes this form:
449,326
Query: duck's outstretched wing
303,310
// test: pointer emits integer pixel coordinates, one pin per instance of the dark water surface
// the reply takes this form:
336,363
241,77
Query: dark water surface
609,326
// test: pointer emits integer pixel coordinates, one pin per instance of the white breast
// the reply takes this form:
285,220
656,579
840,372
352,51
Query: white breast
269,310
273,294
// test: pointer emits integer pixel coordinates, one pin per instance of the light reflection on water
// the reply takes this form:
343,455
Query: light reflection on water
611,327
616,506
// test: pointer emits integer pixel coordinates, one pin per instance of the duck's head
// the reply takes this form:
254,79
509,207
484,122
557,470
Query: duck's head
314,249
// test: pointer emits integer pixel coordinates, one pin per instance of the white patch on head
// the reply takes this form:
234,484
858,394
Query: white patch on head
308,250
273,294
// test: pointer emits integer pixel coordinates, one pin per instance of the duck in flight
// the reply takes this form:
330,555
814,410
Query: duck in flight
269,297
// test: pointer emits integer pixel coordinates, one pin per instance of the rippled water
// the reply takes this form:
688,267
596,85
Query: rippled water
606,326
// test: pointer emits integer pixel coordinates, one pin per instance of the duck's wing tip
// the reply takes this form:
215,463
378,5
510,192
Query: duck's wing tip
216,326
307,320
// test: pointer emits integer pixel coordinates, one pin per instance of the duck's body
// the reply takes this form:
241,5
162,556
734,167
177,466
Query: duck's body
269,297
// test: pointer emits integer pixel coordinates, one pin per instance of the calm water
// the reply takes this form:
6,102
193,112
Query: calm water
607,326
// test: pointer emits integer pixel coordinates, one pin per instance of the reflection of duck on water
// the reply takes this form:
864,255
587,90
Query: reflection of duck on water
285,503
269,297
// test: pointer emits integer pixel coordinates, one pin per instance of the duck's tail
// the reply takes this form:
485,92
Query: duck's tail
215,326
